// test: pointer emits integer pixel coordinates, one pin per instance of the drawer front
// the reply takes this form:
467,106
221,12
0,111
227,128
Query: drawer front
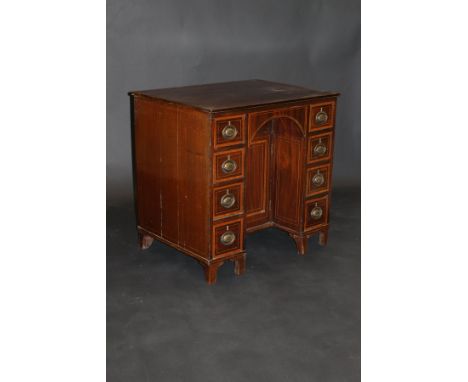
322,116
319,147
228,238
317,180
228,200
316,213
229,131
228,165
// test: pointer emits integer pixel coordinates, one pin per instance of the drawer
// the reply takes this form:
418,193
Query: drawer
228,165
316,213
317,179
229,131
319,147
228,238
228,200
322,116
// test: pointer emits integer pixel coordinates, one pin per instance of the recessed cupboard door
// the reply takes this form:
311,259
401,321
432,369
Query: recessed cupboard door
275,163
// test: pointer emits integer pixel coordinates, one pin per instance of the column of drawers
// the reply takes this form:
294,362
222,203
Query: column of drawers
319,167
228,186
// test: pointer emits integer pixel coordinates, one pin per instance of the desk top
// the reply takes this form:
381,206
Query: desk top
233,95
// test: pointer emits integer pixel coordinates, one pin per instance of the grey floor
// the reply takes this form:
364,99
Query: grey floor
288,318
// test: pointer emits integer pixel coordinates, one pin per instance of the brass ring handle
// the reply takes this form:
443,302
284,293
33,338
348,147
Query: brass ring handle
229,131
228,166
321,117
320,149
316,213
227,238
318,179
228,200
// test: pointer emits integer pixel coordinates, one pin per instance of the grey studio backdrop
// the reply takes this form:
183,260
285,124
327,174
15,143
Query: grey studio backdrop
166,43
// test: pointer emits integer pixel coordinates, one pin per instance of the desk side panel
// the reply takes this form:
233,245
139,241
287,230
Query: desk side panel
172,162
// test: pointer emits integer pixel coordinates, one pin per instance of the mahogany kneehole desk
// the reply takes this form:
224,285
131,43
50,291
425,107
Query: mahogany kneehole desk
214,162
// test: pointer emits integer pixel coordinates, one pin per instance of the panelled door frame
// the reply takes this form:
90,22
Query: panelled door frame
261,135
